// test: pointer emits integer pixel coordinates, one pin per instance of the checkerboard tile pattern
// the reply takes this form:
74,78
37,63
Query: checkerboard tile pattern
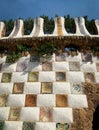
40,94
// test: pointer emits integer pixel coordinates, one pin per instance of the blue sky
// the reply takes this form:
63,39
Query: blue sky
13,9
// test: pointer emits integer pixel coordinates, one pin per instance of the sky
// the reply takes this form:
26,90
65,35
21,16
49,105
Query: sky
14,9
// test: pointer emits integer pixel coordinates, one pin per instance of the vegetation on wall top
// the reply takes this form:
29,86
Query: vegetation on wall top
49,25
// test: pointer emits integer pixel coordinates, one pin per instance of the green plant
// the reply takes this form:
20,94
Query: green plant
11,58
46,49
21,48
1,125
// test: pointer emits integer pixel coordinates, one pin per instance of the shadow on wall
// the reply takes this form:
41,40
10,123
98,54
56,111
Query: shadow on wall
96,119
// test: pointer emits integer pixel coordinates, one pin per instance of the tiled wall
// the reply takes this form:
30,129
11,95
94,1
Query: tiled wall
40,95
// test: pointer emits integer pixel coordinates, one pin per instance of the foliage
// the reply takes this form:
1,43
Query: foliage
9,26
11,58
1,125
21,48
90,25
48,24
28,26
70,24
14,56
46,49
95,49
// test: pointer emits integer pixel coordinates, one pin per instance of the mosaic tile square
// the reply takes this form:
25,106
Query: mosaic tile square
30,114
13,125
0,67
31,100
6,77
61,88
62,126
89,77
4,113
14,114
47,76
97,66
6,88
46,87
34,66
88,67
32,88
74,66
60,76
60,66
18,88
75,76
8,67
63,115
1,125
61,100
34,58
21,66
77,101
46,100
33,77
3,100
45,126
61,57
19,77
74,58
47,66
86,57
16,100
76,88
28,126
45,114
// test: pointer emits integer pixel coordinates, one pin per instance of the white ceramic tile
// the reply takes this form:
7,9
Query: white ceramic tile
2,60
7,67
77,101
97,77
74,58
61,88
6,88
60,66
45,126
32,88
19,77
46,76
34,66
63,115
30,114
4,113
13,125
74,77
16,100
46,100
88,67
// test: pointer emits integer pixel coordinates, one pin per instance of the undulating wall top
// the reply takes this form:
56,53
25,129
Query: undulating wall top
37,31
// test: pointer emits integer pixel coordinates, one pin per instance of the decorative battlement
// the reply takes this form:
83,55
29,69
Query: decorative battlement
18,29
37,31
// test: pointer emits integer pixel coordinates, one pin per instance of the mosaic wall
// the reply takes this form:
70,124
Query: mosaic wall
41,94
